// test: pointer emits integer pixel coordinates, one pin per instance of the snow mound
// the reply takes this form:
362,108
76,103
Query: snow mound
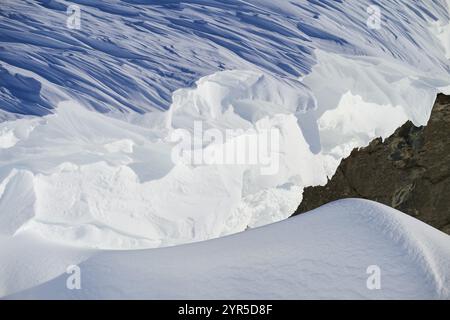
322,254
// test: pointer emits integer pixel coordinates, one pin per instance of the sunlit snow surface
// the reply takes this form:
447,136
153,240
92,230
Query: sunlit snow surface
88,115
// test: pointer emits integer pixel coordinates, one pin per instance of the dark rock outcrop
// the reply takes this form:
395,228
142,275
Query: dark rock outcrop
409,171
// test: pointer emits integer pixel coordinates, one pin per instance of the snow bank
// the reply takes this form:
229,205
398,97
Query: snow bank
323,254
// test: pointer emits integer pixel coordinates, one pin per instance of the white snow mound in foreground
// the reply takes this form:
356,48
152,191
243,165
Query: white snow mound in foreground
321,254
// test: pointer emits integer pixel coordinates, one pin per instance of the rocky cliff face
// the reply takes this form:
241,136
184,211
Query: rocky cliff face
409,171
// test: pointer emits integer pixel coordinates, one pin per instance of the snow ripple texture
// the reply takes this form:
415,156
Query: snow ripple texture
322,254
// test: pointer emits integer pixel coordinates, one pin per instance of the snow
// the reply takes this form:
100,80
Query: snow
90,118
322,254
109,180
131,56
122,188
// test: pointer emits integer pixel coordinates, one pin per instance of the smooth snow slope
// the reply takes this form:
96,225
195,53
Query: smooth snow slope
94,168
322,254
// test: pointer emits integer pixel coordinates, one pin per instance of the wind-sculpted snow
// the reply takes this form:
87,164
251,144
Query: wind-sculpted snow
131,55
90,115
333,252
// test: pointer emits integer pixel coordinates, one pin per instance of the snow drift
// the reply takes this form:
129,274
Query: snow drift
322,254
